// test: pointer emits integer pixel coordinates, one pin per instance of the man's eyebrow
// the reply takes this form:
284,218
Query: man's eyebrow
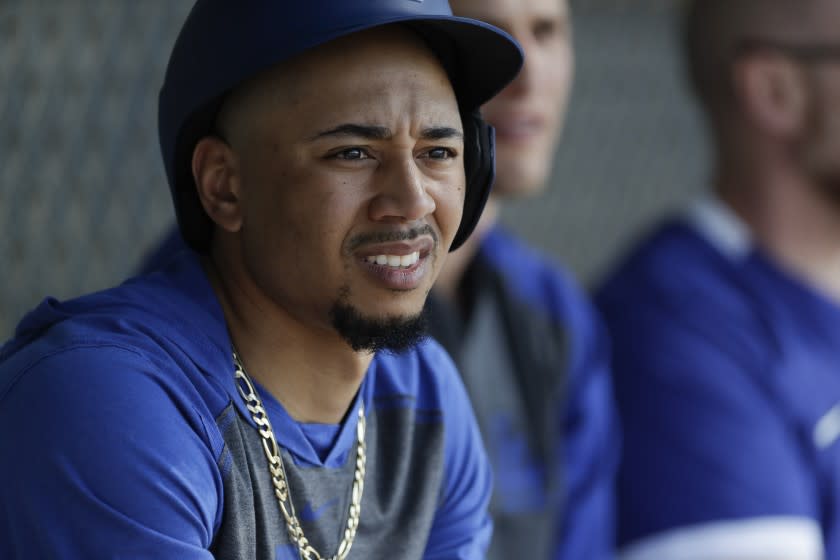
371,132
441,133
374,132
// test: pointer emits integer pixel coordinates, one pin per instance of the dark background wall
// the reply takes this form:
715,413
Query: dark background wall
82,189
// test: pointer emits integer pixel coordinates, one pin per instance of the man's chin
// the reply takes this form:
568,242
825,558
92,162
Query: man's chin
526,181
373,334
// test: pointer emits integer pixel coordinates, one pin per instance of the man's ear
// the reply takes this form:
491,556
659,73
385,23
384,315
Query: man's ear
216,174
771,91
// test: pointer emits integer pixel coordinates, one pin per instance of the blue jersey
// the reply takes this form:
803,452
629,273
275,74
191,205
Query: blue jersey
534,358
727,380
123,435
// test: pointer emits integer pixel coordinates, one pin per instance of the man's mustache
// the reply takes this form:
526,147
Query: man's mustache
387,236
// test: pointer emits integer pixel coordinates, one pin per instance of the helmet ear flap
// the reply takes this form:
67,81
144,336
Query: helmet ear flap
479,169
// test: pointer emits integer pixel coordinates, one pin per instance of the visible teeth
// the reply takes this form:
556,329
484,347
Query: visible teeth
395,261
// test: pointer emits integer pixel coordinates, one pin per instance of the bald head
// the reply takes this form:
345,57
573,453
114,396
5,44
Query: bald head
714,30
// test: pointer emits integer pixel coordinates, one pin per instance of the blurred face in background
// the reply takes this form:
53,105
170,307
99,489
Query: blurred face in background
820,149
820,145
528,115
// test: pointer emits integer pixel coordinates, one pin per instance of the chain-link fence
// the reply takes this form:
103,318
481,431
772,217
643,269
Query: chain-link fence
82,189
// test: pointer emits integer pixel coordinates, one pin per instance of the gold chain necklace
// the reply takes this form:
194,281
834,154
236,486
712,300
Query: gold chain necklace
280,480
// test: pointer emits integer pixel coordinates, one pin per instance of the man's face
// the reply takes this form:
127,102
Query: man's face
528,115
352,182
820,146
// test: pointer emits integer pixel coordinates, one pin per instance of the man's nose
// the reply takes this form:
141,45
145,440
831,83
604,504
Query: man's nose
402,195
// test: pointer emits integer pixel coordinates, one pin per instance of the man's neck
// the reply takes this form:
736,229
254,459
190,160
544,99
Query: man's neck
310,370
452,274
792,220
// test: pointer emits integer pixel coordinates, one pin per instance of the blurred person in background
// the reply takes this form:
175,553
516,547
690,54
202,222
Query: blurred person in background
530,349
726,319
526,340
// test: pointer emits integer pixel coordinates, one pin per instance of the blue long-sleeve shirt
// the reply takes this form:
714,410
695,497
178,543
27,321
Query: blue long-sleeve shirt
123,435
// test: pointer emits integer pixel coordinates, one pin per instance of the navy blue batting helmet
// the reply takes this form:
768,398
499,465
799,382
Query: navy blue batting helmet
223,43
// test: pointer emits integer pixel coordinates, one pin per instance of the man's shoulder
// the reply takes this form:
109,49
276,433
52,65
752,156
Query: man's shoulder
93,387
677,303
97,327
85,357
176,305
105,429
674,268
513,256
113,339
531,275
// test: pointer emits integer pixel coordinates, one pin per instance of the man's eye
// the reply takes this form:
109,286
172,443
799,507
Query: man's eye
441,153
545,29
351,154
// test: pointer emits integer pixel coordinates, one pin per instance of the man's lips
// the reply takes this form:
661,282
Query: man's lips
398,265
